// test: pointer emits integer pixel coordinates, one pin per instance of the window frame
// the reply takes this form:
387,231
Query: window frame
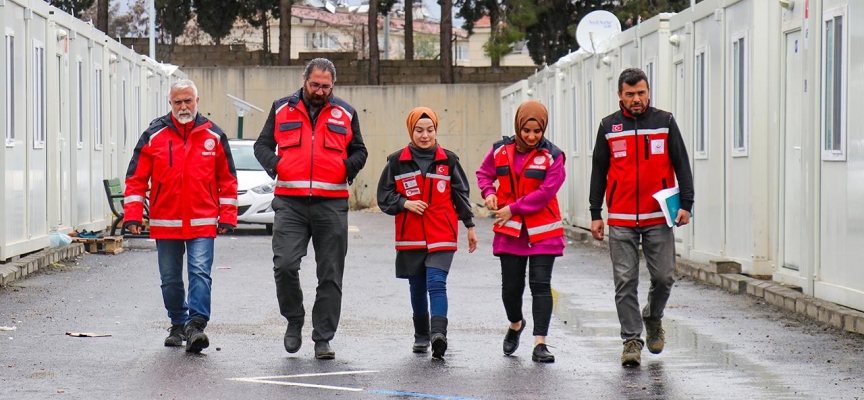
831,16
703,153
651,72
79,127
98,103
742,83
9,97
40,101
592,129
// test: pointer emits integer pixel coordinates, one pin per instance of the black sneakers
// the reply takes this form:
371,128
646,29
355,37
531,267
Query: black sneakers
196,340
176,336
511,339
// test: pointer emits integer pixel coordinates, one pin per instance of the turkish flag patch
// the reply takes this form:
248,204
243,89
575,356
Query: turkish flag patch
617,128
442,170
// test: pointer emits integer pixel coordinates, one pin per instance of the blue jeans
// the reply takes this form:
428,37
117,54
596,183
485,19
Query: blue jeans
434,281
200,263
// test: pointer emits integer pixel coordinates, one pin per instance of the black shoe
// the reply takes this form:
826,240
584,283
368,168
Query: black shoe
293,340
196,340
421,334
439,345
323,351
175,336
542,354
511,339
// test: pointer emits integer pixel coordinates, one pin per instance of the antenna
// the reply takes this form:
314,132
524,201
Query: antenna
595,28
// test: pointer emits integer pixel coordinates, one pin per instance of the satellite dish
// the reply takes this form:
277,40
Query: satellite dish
595,28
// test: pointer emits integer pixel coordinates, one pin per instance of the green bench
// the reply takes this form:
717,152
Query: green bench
114,191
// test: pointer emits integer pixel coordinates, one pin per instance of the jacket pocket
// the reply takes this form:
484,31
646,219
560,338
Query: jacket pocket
289,134
335,137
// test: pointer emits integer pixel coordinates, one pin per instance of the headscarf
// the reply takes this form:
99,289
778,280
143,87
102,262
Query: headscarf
415,115
531,109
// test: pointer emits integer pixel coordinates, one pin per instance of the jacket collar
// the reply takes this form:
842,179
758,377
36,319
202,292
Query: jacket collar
627,114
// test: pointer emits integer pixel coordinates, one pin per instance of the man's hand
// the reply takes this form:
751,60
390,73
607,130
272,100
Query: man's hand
416,206
597,229
503,215
472,240
492,202
223,231
683,217
134,229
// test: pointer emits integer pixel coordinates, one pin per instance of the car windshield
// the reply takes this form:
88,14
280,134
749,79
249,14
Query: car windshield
244,158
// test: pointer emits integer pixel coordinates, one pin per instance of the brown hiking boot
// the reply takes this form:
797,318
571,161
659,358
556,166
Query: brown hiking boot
655,336
632,355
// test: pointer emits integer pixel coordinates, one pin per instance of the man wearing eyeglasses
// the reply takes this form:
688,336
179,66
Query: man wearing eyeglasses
318,153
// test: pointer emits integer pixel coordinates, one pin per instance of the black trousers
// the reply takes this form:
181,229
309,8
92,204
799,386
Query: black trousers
325,221
539,280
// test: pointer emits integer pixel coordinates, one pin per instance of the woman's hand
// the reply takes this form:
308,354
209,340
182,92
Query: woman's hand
503,215
416,206
472,240
492,202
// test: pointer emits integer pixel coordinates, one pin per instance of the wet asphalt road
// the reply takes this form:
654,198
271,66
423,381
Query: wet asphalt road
719,345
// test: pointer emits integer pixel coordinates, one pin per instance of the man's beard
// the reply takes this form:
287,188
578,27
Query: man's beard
317,100
185,117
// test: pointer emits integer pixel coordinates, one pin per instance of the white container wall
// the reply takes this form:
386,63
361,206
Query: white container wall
73,110
761,94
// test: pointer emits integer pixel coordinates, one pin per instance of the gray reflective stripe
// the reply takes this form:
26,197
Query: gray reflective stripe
613,135
131,199
202,221
169,223
313,184
407,175
227,200
551,159
497,150
442,244
417,243
632,217
218,138
293,184
436,176
329,186
545,228
153,136
513,224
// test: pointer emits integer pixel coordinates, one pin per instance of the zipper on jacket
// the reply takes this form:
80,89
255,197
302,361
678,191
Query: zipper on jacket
171,153
311,152
636,132
612,192
155,195
647,147
210,192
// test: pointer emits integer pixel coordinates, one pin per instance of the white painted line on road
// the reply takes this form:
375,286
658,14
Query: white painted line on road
308,385
310,375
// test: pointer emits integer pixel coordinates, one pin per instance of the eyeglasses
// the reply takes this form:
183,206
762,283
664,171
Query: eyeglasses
315,87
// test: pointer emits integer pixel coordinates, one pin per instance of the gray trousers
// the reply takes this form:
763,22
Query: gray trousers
658,247
325,221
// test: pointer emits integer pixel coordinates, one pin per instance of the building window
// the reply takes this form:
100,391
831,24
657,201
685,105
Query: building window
39,111
834,86
739,96
575,116
79,127
462,52
700,112
10,89
125,116
589,97
136,103
649,72
97,104
325,40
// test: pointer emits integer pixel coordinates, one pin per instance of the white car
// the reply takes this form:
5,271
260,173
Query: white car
254,186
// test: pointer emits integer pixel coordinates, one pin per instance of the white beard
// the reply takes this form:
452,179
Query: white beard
184,119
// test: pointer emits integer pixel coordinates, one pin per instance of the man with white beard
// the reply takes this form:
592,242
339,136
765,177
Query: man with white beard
184,160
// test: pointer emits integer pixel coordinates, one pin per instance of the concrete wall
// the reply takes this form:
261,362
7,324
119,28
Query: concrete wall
469,114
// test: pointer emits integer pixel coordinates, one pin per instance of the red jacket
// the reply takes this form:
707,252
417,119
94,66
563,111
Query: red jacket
544,224
190,175
436,229
312,159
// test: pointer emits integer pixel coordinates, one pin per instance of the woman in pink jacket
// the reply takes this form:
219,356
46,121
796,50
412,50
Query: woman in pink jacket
529,170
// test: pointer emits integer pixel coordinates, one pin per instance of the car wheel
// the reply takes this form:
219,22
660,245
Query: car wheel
269,228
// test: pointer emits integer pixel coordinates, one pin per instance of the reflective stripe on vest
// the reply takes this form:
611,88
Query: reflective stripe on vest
414,243
228,200
640,132
513,224
632,217
202,221
167,223
436,176
130,199
545,228
442,244
312,184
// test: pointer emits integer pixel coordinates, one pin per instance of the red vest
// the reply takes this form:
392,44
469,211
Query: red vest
312,162
542,225
436,229
639,167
